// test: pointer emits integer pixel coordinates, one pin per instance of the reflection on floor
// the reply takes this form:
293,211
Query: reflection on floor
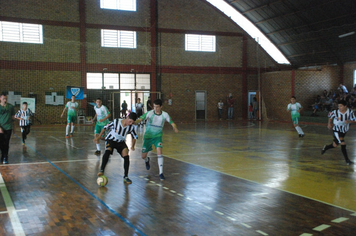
223,178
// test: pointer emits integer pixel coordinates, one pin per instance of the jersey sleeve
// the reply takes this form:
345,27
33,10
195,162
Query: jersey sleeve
288,107
134,132
110,125
168,118
18,114
144,116
331,114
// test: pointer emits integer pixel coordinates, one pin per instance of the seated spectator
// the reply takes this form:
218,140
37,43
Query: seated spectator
315,107
332,94
325,93
343,88
322,103
328,104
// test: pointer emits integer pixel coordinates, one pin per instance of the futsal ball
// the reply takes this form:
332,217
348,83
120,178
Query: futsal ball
102,181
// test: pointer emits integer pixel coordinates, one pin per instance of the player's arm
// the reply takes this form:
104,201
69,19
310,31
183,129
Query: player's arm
330,125
63,111
92,120
175,127
107,117
141,118
18,116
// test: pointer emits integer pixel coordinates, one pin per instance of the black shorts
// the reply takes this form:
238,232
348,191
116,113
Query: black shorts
119,146
337,136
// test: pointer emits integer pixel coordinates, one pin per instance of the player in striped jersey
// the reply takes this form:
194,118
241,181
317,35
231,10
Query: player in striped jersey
24,115
341,118
295,108
115,139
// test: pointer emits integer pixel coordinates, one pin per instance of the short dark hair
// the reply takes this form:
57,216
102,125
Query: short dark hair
24,103
293,97
342,102
99,99
133,116
158,102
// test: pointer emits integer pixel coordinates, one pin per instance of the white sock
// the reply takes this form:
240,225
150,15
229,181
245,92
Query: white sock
299,130
98,146
72,129
160,163
67,129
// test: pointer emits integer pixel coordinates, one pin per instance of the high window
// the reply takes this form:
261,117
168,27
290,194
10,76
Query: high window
123,81
118,38
202,43
125,5
21,32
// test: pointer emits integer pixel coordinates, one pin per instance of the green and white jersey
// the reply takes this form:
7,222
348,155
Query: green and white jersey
72,106
101,113
155,123
293,108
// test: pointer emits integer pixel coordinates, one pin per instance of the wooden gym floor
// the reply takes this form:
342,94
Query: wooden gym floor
222,178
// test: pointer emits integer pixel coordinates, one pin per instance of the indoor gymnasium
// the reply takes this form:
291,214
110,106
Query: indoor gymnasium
177,117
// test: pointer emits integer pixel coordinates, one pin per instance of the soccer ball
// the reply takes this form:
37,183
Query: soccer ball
102,181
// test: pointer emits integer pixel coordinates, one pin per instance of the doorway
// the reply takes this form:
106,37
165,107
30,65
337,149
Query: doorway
200,105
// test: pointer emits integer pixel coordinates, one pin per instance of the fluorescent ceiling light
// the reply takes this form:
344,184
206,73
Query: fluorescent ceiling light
251,29
347,34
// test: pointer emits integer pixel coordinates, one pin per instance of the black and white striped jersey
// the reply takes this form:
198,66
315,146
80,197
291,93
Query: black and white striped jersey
117,133
25,115
339,120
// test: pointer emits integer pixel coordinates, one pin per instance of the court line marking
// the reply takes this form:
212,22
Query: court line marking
65,142
296,194
46,162
339,220
14,218
126,221
321,227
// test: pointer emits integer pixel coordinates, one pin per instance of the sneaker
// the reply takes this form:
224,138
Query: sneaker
6,161
67,136
148,166
323,150
100,173
301,135
97,152
127,180
347,162
71,135
161,176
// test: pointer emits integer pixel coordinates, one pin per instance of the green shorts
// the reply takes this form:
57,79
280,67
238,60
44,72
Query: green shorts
98,128
148,142
71,119
295,118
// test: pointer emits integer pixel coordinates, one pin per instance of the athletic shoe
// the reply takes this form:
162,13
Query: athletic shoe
323,150
23,144
349,162
127,180
67,136
301,135
71,135
100,173
161,176
148,166
6,161
97,152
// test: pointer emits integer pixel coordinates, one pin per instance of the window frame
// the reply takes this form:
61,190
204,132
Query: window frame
119,5
200,43
121,38
22,34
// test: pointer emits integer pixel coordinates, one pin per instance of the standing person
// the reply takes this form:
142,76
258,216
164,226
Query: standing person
123,109
250,111
341,117
71,116
24,115
102,116
149,104
255,107
155,120
139,108
343,89
7,113
230,111
294,108
220,108
115,139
